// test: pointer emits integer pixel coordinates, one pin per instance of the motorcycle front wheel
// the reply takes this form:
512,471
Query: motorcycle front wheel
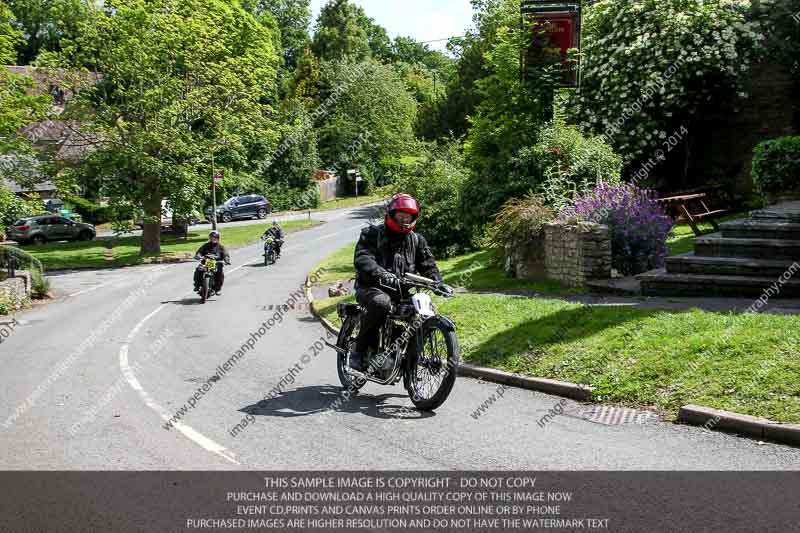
429,377
205,288
347,342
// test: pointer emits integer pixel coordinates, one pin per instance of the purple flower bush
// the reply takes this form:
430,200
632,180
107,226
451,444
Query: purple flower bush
639,225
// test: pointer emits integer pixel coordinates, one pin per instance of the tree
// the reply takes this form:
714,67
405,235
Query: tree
340,32
505,123
181,81
45,22
373,118
380,44
293,18
10,37
296,160
651,67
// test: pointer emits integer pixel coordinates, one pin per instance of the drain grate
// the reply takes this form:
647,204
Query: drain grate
286,308
616,416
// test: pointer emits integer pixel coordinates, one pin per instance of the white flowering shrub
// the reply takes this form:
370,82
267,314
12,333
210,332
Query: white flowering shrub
649,66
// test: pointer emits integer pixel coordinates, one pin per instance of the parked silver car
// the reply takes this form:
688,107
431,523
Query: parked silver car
45,228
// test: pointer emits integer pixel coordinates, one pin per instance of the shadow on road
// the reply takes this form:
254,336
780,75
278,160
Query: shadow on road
186,301
368,212
317,399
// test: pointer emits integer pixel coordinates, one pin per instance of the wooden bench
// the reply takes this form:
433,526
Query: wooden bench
692,209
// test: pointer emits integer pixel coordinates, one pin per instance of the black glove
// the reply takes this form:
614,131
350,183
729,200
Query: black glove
388,278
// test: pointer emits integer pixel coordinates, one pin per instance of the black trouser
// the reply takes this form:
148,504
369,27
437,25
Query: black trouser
377,304
278,244
219,277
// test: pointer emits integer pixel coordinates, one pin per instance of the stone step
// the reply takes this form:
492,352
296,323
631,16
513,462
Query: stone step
661,283
761,229
729,266
714,245
786,211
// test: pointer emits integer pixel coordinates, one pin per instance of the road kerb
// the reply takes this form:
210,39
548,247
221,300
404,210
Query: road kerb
582,393
752,426
550,386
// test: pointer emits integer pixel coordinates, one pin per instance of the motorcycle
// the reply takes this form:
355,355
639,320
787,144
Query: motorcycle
416,344
270,256
208,266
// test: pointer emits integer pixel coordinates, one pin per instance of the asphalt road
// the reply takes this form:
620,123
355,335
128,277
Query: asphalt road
90,380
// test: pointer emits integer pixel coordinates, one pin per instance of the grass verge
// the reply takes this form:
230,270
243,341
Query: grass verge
663,359
124,251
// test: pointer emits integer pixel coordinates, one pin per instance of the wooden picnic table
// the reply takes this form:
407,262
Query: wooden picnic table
692,209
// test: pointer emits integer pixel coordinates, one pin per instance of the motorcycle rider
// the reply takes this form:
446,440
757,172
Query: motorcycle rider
277,233
385,253
213,248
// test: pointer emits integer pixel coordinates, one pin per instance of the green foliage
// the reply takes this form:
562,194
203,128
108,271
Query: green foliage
183,81
296,159
40,285
45,23
783,31
651,66
13,207
437,183
517,221
449,116
10,37
776,165
372,118
505,123
18,108
285,198
570,162
340,32
293,18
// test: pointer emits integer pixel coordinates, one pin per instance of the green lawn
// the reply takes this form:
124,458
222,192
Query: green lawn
124,251
745,363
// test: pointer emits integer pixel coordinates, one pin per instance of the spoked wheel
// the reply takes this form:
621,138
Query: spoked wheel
347,341
431,376
205,289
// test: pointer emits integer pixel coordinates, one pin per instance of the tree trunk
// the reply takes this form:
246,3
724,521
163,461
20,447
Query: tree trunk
151,232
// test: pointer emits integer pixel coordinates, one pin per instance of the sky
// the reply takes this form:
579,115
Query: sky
424,20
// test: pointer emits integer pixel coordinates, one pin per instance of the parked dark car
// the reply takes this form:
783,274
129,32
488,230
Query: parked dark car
41,229
249,206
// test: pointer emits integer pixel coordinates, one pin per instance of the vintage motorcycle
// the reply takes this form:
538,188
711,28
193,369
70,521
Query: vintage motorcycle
270,256
208,266
416,344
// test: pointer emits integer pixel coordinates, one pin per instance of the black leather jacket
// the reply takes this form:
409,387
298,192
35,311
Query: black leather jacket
217,250
380,250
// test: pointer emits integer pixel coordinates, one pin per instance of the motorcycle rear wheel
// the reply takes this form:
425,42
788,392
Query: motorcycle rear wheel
347,342
430,376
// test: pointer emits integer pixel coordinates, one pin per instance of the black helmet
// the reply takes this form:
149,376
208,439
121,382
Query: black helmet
213,234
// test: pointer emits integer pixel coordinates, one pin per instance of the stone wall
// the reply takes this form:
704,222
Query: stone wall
16,290
569,254
574,254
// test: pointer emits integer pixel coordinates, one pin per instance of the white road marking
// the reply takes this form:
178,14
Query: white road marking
90,289
193,435
130,377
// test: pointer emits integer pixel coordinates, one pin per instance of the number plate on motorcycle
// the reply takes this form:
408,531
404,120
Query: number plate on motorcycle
211,264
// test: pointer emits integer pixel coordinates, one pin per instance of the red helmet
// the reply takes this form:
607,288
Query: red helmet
406,204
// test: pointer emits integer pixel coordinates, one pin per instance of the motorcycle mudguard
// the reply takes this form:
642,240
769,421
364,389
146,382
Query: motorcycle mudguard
444,322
